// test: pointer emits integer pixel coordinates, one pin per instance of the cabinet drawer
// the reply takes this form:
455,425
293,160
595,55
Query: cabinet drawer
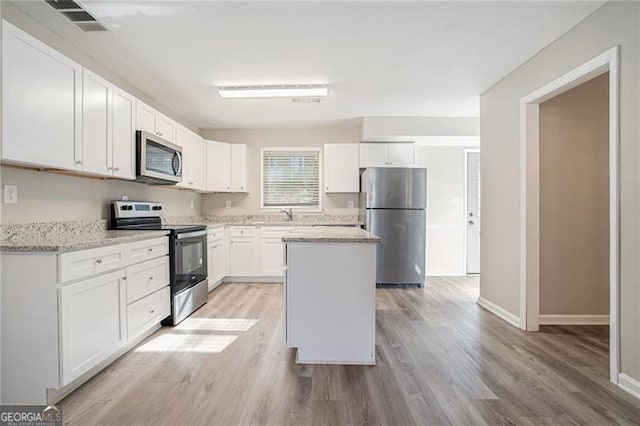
242,231
147,312
276,231
215,234
85,263
147,277
146,250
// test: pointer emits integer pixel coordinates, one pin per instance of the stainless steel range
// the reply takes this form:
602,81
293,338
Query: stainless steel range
187,254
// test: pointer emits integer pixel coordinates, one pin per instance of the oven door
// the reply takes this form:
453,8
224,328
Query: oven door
190,259
159,161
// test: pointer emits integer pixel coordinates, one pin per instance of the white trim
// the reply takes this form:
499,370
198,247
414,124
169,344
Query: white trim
629,384
254,280
314,209
529,193
554,319
500,312
467,151
446,274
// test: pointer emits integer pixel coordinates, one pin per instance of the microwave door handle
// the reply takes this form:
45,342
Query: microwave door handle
179,169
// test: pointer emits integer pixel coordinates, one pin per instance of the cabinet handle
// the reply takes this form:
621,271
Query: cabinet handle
152,311
150,249
78,162
159,133
98,261
150,278
190,183
228,187
110,168
115,169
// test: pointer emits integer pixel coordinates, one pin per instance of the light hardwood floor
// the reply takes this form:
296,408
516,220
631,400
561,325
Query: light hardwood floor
441,360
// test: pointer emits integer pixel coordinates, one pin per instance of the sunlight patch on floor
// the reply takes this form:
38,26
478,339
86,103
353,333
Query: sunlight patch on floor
196,343
217,324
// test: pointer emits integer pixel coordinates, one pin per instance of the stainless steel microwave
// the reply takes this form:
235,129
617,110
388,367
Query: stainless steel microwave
158,161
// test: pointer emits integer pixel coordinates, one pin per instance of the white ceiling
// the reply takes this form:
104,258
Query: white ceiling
380,59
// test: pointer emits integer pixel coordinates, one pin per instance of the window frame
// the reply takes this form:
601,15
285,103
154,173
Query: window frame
317,208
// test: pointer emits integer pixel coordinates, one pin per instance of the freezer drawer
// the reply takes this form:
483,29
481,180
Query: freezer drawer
401,254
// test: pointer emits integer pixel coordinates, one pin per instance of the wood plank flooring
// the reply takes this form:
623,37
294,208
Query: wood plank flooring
442,360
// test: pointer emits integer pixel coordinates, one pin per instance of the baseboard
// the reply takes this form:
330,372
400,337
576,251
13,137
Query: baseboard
573,319
500,312
629,384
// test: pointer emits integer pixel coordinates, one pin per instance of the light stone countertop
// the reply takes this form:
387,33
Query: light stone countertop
332,234
72,241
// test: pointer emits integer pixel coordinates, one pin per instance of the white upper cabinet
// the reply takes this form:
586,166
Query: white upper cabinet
226,167
42,103
401,154
108,145
218,163
387,155
97,102
192,159
341,167
152,121
124,135
239,168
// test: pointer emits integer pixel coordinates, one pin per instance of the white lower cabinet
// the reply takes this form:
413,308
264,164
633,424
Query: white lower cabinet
91,306
271,257
243,256
147,312
92,316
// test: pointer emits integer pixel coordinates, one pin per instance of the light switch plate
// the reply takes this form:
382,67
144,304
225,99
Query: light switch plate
11,194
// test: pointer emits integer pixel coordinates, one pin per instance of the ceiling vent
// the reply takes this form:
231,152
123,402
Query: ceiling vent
75,13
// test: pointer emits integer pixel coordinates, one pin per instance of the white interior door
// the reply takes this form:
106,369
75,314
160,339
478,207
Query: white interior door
473,213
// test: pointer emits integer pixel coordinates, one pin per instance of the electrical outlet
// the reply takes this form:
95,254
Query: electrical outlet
350,204
125,198
11,194
227,204
192,204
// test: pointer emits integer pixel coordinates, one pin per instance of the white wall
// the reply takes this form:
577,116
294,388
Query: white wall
445,208
615,23
257,139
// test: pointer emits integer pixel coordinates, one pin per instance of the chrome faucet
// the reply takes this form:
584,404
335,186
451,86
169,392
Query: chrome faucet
289,213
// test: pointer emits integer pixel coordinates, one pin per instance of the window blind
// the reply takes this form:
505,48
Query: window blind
291,178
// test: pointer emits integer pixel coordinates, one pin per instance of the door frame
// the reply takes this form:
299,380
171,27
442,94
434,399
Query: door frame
467,151
530,193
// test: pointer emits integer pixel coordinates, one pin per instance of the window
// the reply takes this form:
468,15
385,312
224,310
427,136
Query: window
291,177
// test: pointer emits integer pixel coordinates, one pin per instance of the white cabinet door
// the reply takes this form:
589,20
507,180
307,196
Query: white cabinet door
146,118
93,322
341,167
238,168
218,161
219,259
97,100
373,155
124,135
271,252
197,163
41,102
211,266
243,257
166,127
401,154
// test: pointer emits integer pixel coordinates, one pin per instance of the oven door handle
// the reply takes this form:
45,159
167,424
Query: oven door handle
191,234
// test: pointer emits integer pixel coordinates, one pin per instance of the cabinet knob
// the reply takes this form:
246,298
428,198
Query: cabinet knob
115,169
78,162
98,261
150,278
152,311
150,249
228,187
159,133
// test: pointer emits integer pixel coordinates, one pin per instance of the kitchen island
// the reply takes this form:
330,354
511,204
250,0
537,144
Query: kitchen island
330,295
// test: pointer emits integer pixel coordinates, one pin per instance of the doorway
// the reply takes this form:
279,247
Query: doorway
530,194
472,210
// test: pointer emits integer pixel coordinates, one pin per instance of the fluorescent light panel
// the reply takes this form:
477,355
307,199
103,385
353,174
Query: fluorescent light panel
280,91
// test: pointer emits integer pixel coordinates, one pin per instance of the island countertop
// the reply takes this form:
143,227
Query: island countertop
331,234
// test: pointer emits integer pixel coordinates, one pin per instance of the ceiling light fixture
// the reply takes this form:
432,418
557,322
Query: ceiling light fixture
278,91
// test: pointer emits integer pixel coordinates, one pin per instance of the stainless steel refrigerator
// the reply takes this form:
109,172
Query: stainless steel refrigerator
393,205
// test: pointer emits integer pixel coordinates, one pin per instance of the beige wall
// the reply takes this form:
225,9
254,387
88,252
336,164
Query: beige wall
445,208
49,197
574,201
616,23
257,139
